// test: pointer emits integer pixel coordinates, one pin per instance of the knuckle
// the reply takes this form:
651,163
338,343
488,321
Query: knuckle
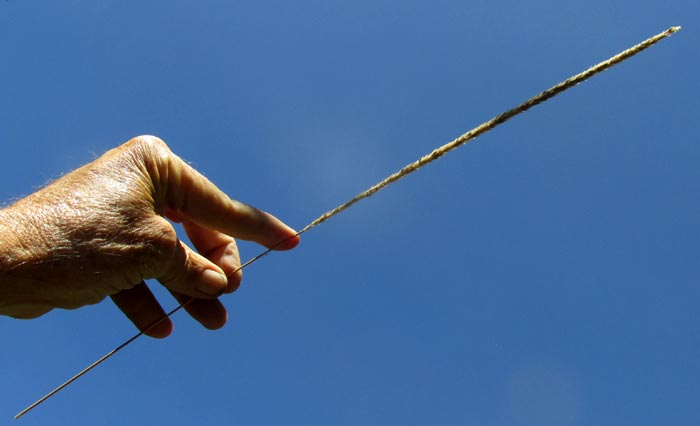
159,247
155,160
148,142
174,269
150,149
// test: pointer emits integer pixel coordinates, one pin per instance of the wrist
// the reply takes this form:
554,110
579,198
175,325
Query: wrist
11,252
15,262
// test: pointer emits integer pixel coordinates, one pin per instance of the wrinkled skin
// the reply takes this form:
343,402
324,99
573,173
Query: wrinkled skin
101,230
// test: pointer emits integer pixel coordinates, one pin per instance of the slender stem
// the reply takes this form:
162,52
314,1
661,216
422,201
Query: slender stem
406,170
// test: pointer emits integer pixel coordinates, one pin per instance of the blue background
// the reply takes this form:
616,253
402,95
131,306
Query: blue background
545,274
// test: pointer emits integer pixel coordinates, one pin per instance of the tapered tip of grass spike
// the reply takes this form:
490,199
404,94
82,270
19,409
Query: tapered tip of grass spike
674,29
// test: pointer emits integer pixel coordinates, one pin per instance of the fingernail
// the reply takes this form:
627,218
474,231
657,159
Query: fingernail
212,283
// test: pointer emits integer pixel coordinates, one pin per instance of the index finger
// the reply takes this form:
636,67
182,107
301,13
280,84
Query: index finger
183,193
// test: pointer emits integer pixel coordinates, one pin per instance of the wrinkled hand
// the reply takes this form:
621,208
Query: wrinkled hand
102,230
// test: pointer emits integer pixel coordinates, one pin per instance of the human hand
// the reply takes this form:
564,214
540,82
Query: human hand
101,230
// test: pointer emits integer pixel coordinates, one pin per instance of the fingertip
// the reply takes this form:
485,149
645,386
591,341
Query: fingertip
211,283
286,237
234,281
289,243
208,312
144,311
216,323
161,330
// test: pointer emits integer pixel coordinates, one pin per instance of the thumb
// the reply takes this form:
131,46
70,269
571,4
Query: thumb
192,274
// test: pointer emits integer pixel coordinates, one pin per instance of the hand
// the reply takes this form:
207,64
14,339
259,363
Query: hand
102,230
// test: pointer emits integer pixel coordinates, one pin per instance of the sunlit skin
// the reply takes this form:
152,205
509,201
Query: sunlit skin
103,229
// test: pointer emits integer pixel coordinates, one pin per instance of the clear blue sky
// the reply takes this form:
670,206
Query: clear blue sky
546,274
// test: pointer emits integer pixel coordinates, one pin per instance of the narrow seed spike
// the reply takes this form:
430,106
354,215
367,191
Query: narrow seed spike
406,170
